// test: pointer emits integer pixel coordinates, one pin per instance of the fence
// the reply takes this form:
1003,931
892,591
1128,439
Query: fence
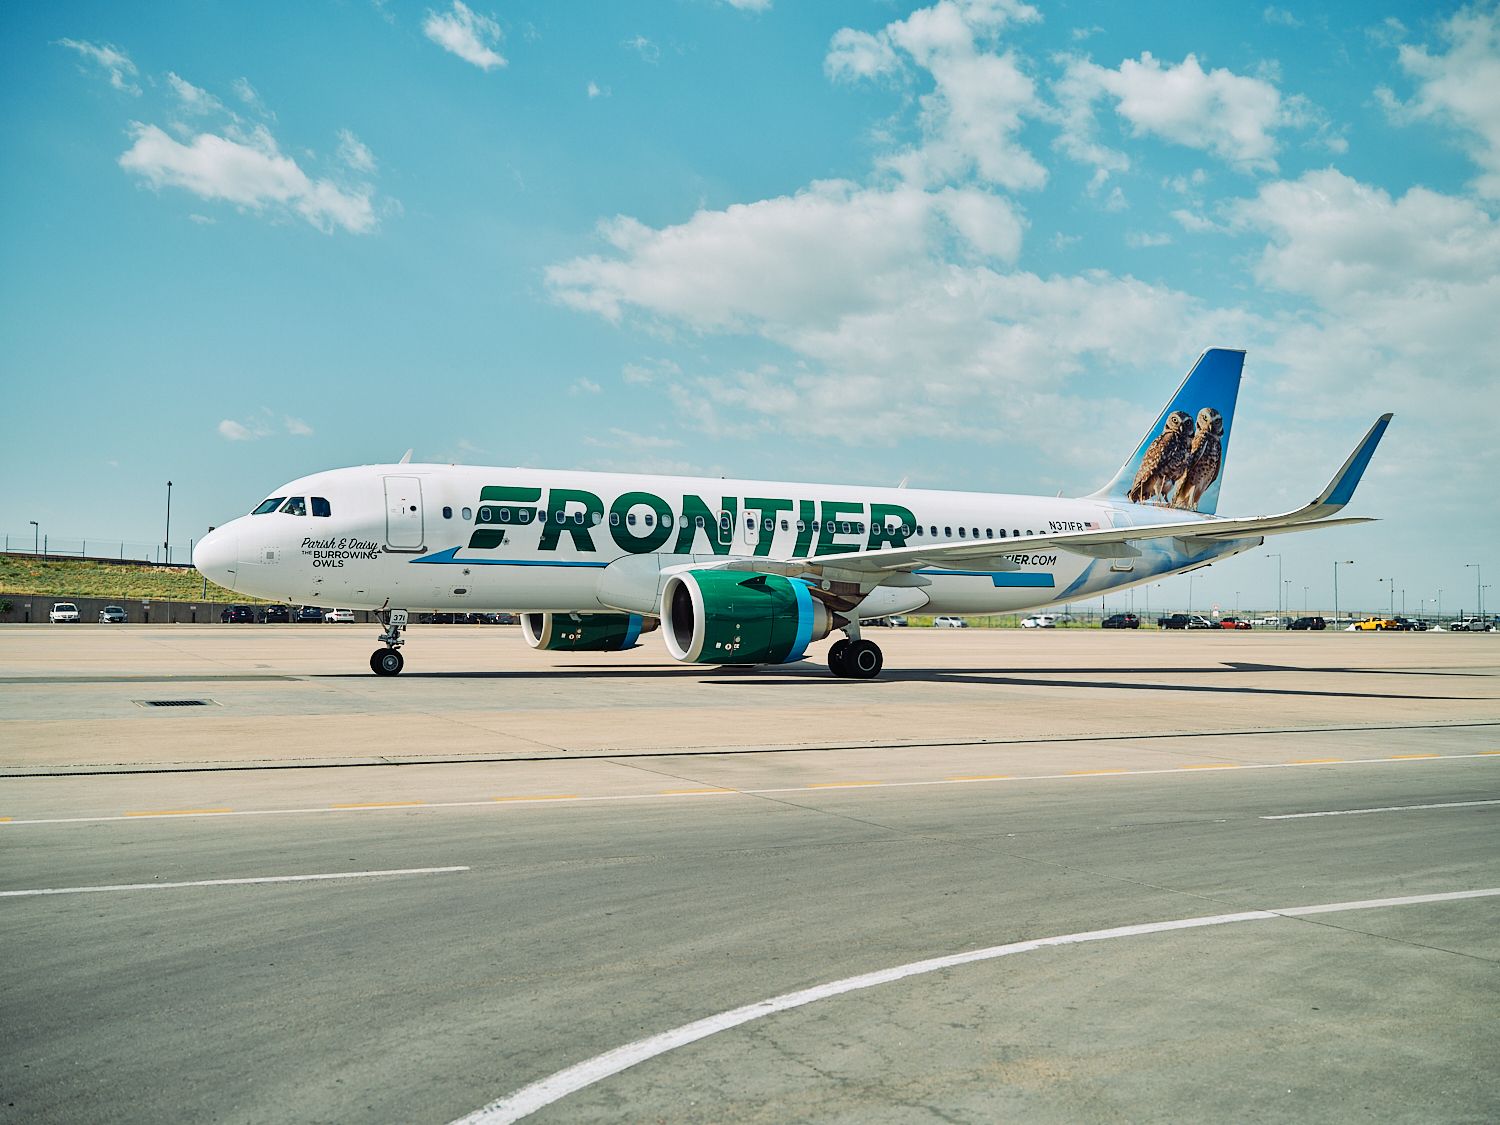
99,550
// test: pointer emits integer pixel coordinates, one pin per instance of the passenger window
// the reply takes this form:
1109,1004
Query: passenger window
578,517
989,533
268,505
596,518
976,533
962,534
947,533
296,506
784,526
467,513
699,521
933,530
649,519
504,514
749,523
1015,531
770,525
801,526
630,518
614,519
447,511
320,507
666,520
1002,533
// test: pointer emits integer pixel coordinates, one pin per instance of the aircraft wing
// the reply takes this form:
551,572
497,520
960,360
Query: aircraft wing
1103,543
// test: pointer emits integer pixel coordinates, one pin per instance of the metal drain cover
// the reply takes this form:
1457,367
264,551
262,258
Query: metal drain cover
174,702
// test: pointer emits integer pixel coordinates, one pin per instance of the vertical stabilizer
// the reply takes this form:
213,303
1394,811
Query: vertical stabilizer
1180,461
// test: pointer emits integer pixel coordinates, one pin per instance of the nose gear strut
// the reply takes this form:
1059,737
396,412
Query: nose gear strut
388,661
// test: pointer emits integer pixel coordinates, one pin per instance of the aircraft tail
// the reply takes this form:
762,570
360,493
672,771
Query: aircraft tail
1180,461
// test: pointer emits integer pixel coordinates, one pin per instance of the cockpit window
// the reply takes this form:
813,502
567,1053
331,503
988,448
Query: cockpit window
320,507
268,505
296,506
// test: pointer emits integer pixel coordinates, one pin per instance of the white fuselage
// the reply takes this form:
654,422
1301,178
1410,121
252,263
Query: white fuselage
466,538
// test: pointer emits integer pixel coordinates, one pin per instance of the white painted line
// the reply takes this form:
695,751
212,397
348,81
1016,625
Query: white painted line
554,1087
1387,808
235,882
492,803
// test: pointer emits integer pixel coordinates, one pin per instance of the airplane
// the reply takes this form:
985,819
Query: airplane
746,572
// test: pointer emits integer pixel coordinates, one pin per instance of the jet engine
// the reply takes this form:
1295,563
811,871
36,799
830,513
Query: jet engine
585,632
729,617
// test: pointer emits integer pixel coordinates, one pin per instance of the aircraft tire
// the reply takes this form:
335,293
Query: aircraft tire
837,654
386,661
863,660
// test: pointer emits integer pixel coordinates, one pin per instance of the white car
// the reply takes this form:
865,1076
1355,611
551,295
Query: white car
63,611
1040,621
949,623
340,616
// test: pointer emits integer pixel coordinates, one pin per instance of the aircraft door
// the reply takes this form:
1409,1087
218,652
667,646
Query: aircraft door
403,513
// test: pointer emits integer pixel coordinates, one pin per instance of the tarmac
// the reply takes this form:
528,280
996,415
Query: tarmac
1046,875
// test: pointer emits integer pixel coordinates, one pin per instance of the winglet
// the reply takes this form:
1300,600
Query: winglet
405,458
1340,489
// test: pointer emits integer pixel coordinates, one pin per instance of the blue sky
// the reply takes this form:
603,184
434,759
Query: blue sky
975,245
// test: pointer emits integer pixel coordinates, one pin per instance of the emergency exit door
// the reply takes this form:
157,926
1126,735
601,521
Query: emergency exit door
403,513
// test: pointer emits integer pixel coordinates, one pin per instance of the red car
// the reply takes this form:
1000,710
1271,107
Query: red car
1233,623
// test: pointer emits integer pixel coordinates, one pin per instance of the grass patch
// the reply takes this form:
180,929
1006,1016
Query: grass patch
80,578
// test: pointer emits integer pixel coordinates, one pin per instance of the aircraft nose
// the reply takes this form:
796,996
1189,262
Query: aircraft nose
216,556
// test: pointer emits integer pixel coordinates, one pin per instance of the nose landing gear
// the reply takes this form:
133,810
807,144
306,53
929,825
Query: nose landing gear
388,661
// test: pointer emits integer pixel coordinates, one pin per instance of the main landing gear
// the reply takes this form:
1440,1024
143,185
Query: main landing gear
855,659
388,661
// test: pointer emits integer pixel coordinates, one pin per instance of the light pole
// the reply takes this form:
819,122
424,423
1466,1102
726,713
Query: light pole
36,543
1278,588
1304,601
168,544
1440,605
1286,599
1338,563
1482,589
1478,577
1391,584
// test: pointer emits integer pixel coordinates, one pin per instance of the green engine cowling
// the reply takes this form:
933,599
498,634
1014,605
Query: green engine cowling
730,617
585,632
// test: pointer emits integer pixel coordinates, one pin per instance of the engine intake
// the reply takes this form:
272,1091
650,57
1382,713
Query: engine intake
585,632
728,617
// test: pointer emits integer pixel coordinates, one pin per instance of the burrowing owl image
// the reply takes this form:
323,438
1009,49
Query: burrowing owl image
1165,460
1205,456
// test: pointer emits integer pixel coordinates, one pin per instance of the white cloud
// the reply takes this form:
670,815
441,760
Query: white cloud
465,33
642,46
354,153
247,94
116,63
1141,240
890,303
1460,87
817,255
1280,17
191,98
252,173
594,90
1230,115
297,427
750,5
1195,223
234,431
980,98
584,386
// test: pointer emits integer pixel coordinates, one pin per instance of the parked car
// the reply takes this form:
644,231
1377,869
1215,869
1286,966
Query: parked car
498,618
112,615
1233,623
1121,621
1377,624
308,613
1308,623
1040,621
949,623
896,621
237,615
339,617
1184,621
277,614
1471,625
1270,622
63,612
